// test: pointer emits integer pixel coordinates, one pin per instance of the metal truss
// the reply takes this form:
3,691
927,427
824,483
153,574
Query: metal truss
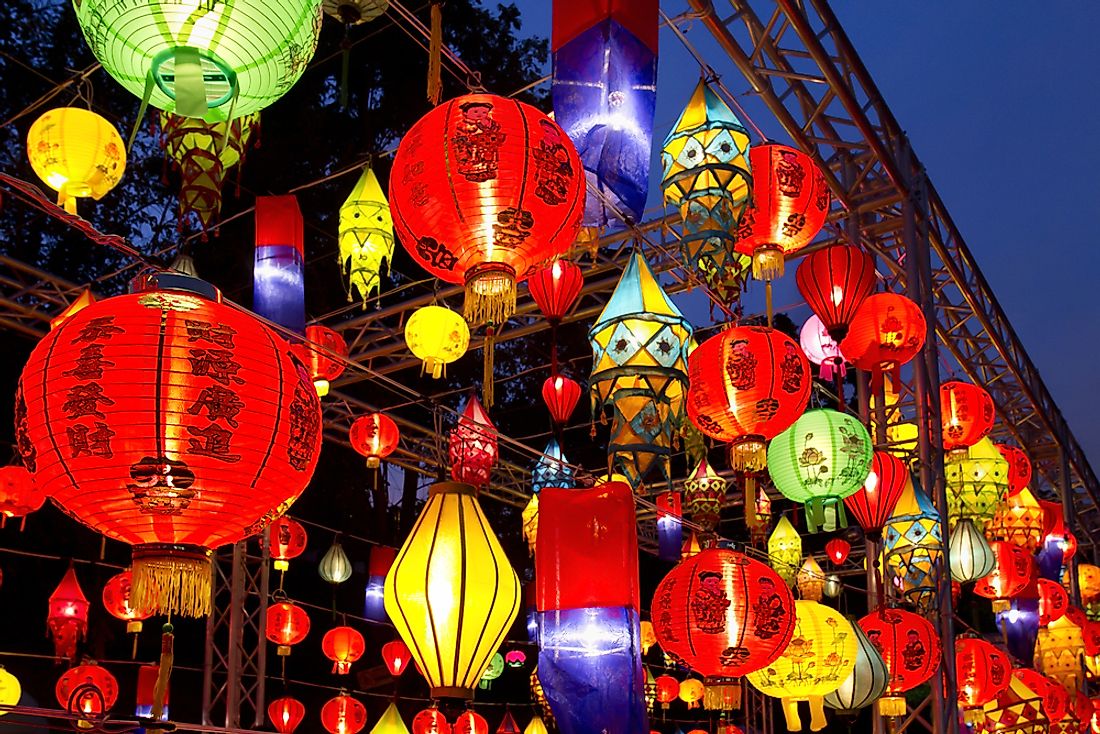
30,297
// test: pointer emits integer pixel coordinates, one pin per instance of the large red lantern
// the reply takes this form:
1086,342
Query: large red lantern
397,657
170,421
87,690
790,201
343,715
1055,698
1019,467
286,625
471,722
322,367
285,714
555,288
835,281
1010,576
19,495
375,436
484,191
343,646
982,672
286,539
67,618
473,445
560,395
723,614
910,648
430,721
966,412
887,331
874,502
117,602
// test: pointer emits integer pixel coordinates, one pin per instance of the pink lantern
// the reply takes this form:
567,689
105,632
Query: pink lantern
821,349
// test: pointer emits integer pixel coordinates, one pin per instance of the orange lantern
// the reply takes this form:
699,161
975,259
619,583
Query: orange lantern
322,367
470,722
116,600
966,414
287,624
1088,582
68,615
668,689
343,715
19,495
87,690
430,721
982,671
343,646
473,445
397,657
691,692
909,646
887,331
837,549
1053,601
1019,467
286,539
285,714
1019,519
375,436
1009,577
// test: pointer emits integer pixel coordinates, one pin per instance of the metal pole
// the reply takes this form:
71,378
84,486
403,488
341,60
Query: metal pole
235,642
261,643
208,655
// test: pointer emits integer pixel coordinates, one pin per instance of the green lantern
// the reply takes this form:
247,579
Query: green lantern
822,458
977,482
494,671
197,58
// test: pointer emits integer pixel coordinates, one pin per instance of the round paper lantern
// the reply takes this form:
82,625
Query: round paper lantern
821,349
790,201
874,502
837,549
977,481
10,690
116,600
971,556
76,153
88,690
1010,575
343,715
748,384
982,671
286,539
430,721
556,288
512,198
821,459
19,495
1019,467
691,692
966,413
723,615
374,436
397,657
470,722
1055,699
286,625
436,336
335,566
835,281
237,429
868,680
819,658
668,690
216,61
285,714
322,367
909,646
887,331
1053,601
343,646
560,395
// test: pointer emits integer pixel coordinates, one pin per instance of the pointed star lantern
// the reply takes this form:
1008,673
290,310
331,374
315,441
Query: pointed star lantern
913,546
366,236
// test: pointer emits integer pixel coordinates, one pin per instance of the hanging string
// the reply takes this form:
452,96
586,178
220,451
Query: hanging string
435,51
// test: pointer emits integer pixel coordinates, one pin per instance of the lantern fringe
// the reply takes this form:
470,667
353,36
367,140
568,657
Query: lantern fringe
749,454
891,706
722,695
487,380
164,674
490,297
752,519
435,51
767,263
172,582
817,713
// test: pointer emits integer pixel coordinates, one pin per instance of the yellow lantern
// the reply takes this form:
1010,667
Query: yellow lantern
1088,582
649,636
437,336
391,722
901,435
810,580
977,481
785,550
1058,650
1018,710
366,235
77,153
536,726
819,658
1018,520
691,692
451,593
690,547
10,690
530,518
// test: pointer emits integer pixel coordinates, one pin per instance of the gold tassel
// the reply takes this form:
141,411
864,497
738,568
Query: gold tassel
487,374
490,296
435,52
172,579
160,688
752,520
722,694
767,263
891,706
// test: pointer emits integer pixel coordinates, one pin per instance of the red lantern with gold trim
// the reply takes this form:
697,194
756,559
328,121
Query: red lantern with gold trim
875,501
343,646
87,690
286,625
170,421
910,648
343,715
473,445
837,549
286,714
286,539
323,368
1019,467
1009,577
887,331
966,412
19,495
397,657
375,436
983,671
835,281
512,198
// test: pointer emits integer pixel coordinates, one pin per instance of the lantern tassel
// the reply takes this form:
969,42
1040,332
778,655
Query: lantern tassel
160,688
487,373
435,52
752,520
790,713
172,579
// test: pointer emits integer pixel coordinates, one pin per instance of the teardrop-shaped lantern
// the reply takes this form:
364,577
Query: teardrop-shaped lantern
970,554
335,567
869,679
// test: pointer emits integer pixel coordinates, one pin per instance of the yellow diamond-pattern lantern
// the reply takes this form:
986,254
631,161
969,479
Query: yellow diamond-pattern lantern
77,153
977,481
820,657
1018,520
1017,709
451,593
1058,650
437,336
913,545
785,550
366,236
704,495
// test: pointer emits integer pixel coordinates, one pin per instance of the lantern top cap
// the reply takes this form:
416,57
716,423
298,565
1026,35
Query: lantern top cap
705,109
638,294
172,281
452,488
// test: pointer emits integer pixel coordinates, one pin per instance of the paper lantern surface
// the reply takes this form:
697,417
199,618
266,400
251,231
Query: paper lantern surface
77,153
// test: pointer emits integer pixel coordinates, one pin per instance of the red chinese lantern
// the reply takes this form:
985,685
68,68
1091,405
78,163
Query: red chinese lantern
966,413
322,367
343,646
1009,577
790,201
343,715
875,501
982,671
67,618
887,331
397,657
560,395
1019,467
170,421
1053,601
668,690
117,602
835,281
285,714
837,549
287,624
910,648
470,722
286,539
430,721
375,436
1055,698
473,445
508,724
723,615
511,199
555,288
19,495
87,690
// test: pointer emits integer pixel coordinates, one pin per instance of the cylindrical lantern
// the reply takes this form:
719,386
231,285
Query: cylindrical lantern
835,281
374,436
868,680
285,714
970,554
513,198
1010,575
278,274
88,691
887,332
287,624
335,566
343,646
437,336
323,368
381,559
19,495
473,445
837,549
343,715
874,502
909,646
966,412
77,153
117,601
983,671
67,618
286,539
238,429
560,395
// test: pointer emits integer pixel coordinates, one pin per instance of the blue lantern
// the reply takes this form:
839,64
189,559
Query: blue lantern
278,280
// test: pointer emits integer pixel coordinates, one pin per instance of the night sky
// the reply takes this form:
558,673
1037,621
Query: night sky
996,99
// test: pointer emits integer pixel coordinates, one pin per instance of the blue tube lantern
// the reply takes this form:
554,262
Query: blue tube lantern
278,277
670,526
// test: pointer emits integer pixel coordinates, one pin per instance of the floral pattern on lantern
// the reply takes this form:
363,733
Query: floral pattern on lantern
76,153
909,646
436,336
868,680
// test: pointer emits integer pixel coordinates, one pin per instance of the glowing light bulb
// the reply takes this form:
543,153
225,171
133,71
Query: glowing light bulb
838,295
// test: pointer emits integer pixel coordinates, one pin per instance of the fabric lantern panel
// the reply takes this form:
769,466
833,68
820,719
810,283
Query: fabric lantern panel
913,546
835,281
1013,570
67,616
785,550
977,481
874,502
868,680
821,349
705,492
278,275
909,646
1019,467
473,445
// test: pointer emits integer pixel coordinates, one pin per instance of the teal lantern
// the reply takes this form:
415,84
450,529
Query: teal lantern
913,546
552,469
494,671
822,458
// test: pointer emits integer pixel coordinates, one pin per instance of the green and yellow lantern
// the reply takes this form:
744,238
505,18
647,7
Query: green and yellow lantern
977,482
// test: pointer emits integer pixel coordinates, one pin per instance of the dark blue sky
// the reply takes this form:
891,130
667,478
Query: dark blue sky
999,100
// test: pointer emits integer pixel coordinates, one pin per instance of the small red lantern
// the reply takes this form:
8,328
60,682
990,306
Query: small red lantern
555,289
473,445
287,624
983,671
67,618
397,657
560,395
87,690
835,281
323,368
668,690
887,331
116,600
1009,577
875,501
19,495
910,648
286,539
470,722
1053,601
375,436
430,721
837,549
343,715
508,724
1019,467
285,714
966,412
147,690
1055,698
343,646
